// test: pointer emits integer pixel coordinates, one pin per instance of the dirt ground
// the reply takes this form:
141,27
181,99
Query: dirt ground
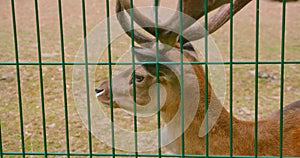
243,82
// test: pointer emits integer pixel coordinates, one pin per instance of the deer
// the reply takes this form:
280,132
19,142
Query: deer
268,138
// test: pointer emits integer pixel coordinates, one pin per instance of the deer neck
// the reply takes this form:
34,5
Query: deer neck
219,132
218,124
219,127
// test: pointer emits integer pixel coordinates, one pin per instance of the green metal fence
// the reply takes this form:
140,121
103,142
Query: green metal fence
67,153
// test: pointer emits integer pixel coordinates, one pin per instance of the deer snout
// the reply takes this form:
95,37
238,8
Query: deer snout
99,91
102,92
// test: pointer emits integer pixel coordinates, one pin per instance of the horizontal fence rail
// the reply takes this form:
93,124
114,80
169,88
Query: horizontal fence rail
166,63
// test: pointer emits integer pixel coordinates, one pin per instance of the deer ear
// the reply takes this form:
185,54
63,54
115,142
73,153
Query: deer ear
147,55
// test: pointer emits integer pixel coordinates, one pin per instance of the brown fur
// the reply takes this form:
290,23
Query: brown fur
219,136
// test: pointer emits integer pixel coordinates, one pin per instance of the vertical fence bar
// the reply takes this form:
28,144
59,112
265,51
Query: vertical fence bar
282,74
41,76
133,78
87,79
256,79
18,77
181,79
62,47
1,150
156,4
231,78
206,75
110,81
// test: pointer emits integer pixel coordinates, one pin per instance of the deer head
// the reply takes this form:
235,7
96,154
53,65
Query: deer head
145,81
145,75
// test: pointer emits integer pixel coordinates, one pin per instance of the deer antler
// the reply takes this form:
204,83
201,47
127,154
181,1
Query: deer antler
123,20
192,8
216,21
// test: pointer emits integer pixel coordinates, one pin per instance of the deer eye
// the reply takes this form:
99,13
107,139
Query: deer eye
139,78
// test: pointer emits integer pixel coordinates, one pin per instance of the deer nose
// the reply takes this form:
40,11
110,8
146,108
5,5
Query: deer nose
99,91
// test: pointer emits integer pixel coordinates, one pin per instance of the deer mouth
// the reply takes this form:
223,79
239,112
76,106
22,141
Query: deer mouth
103,96
105,100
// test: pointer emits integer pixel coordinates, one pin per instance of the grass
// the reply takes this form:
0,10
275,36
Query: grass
244,46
